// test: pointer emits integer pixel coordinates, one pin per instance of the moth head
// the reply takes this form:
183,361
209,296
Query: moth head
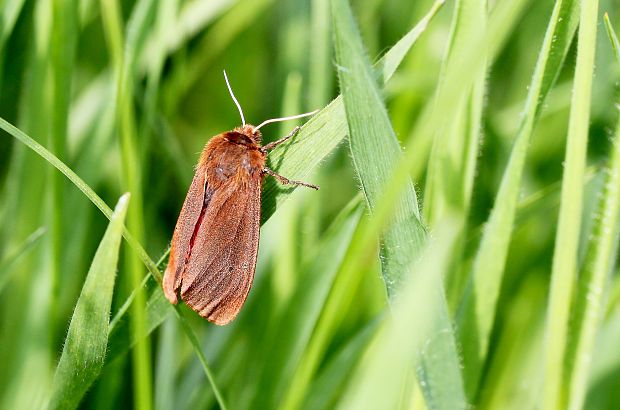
251,132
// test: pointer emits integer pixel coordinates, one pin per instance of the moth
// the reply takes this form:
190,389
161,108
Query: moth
215,242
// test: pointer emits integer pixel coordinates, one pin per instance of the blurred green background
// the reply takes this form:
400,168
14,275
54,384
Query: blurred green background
127,93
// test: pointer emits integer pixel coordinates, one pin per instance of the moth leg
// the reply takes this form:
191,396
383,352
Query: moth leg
274,144
287,181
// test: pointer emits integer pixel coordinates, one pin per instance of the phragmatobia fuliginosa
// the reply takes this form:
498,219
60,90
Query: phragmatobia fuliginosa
215,242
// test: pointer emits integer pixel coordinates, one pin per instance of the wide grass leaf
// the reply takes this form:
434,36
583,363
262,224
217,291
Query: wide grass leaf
85,346
374,146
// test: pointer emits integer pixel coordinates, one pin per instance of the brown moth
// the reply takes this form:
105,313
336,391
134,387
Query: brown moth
215,242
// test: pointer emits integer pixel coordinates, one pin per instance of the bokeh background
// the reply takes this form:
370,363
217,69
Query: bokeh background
126,94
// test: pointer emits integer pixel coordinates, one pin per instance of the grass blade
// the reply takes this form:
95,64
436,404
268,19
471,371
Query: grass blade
613,38
320,68
477,310
599,262
374,146
564,269
449,180
85,347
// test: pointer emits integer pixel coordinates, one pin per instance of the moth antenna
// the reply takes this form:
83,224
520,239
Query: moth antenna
292,117
234,98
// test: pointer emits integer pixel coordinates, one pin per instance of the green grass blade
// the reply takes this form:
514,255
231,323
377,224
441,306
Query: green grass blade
85,346
387,65
478,308
374,146
165,375
599,262
7,262
564,269
8,17
63,46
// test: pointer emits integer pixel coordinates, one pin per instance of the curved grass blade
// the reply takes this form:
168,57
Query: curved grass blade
599,262
85,346
564,268
477,310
